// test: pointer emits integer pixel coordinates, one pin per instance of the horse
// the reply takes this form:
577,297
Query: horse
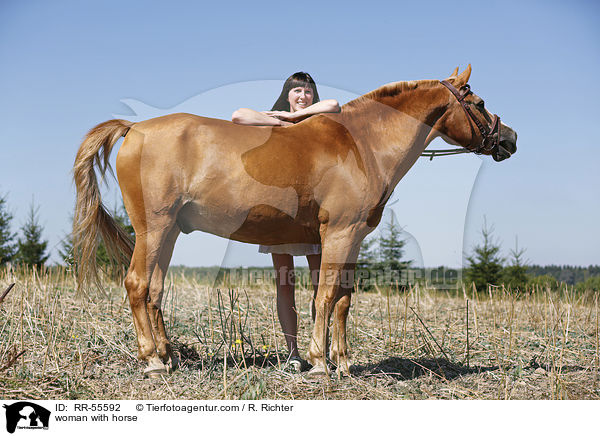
324,180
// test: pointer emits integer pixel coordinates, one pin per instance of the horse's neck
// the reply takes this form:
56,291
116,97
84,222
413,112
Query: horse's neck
395,128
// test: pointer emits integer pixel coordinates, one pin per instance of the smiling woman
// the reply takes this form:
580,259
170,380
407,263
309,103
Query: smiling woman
299,99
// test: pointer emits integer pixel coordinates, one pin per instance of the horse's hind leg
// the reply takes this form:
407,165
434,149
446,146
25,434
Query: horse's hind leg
163,345
143,262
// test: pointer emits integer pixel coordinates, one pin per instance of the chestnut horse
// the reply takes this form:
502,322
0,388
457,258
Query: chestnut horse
322,181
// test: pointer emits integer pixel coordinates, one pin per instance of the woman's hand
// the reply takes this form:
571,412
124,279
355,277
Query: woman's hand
324,106
282,115
251,117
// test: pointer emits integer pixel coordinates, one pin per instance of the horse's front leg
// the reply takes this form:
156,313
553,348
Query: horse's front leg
338,353
339,255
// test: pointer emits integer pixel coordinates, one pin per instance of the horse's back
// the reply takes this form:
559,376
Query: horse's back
183,143
185,159
195,132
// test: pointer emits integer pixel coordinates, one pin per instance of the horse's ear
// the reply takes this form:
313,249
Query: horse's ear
452,76
464,77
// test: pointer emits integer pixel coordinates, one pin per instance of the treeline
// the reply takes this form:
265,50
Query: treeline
381,264
570,275
28,247
487,267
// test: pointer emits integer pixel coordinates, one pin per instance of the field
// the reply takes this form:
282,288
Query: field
418,344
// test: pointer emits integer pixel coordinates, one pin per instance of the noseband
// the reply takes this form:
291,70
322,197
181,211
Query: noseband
490,135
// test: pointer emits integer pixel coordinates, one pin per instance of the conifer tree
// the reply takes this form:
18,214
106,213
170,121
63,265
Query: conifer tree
31,247
515,275
367,258
66,250
7,244
485,264
391,247
366,263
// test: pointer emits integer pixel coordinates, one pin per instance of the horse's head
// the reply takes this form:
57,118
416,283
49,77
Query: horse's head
469,124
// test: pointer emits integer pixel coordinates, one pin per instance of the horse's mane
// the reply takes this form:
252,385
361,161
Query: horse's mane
388,90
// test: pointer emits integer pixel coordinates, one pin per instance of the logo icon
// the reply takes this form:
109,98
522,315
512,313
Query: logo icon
26,415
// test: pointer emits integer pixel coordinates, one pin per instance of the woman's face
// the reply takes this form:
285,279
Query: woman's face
300,98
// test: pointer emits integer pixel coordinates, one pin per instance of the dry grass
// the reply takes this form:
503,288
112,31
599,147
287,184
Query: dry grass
539,345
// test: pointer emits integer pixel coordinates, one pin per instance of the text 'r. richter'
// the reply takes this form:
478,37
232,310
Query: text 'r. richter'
276,408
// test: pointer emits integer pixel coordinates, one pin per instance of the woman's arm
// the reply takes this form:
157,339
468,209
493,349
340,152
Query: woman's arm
251,117
324,106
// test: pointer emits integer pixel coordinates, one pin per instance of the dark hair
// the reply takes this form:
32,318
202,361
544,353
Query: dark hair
295,80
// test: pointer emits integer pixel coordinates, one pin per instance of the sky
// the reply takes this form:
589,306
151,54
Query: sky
67,66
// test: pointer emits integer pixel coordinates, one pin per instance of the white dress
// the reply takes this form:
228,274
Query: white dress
293,249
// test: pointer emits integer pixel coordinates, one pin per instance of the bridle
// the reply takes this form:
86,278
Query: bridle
490,135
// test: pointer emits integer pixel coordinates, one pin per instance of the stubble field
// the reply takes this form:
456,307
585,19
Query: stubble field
418,344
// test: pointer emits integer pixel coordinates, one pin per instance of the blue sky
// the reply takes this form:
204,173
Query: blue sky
66,66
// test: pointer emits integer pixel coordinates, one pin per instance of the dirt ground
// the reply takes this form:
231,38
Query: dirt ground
418,344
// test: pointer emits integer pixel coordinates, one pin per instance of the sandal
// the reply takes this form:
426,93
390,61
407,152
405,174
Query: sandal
296,364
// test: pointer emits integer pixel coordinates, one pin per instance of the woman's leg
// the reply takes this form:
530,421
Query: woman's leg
286,302
314,265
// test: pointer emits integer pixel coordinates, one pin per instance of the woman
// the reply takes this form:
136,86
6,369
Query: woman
298,100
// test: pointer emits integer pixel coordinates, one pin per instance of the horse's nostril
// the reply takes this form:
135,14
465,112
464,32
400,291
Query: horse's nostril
509,146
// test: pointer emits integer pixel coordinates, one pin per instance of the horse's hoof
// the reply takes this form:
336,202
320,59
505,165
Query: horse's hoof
318,371
155,368
155,372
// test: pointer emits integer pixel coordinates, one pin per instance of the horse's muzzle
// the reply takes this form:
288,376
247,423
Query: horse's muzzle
507,146
504,150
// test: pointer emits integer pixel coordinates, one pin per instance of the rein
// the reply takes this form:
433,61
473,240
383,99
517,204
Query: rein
439,153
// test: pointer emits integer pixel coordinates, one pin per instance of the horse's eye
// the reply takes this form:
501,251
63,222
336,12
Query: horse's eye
481,104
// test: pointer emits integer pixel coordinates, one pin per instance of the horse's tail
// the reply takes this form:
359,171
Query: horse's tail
91,217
